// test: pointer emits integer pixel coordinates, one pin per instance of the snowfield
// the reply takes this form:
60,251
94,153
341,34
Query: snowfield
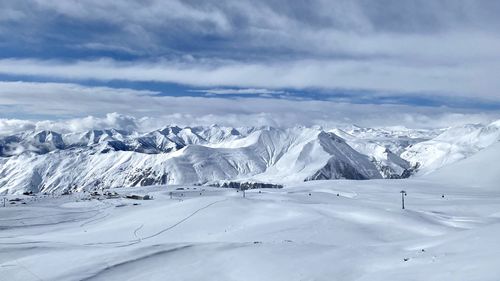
319,230
313,230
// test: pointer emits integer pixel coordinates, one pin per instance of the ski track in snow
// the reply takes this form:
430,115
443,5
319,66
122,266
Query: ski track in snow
184,219
140,239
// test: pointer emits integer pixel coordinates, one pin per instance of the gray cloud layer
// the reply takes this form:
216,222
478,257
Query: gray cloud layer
444,47
154,25
447,48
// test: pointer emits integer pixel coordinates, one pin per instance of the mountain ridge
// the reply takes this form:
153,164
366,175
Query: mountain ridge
48,161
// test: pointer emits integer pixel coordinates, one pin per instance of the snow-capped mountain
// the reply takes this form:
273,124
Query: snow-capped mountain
52,161
453,145
48,161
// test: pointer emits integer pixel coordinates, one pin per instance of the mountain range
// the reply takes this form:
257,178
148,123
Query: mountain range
48,161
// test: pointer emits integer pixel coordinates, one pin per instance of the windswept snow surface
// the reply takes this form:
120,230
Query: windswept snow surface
319,230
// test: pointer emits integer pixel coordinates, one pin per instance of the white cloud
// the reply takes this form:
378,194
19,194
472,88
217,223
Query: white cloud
67,100
109,121
247,91
12,126
467,80
144,124
76,108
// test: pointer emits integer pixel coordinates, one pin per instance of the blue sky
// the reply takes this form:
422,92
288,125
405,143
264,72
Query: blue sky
422,59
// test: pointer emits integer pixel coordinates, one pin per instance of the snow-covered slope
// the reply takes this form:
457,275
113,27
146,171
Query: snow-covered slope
397,139
310,154
480,170
378,144
49,161
304,231
451,146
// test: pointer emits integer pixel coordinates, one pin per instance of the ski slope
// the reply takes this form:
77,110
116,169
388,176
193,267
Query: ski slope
321,230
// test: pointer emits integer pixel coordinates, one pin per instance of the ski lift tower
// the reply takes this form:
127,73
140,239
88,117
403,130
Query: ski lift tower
403,194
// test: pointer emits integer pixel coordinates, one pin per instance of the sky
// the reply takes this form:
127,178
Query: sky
79,64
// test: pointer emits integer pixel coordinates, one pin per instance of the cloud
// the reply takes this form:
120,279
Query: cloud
247,91
109,121
446,49
76,108
478,81
67,100
146,124
442,47
13,126
137,12
264,29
